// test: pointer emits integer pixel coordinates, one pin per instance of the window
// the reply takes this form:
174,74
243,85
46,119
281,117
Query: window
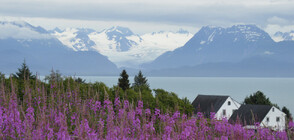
224,112
273,109
267,119
229,102
278,119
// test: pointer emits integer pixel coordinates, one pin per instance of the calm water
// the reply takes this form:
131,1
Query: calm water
279,90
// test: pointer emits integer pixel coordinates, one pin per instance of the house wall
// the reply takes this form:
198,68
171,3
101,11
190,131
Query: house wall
272,115
229,109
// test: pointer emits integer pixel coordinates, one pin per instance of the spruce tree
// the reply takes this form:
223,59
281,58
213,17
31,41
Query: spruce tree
24,72
123,81
140,80
258,98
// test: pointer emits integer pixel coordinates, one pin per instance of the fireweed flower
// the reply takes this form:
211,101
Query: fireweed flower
117,102
291,125
139,108
147,112
157,112
68,115
212,115
126,104
176,115
199,115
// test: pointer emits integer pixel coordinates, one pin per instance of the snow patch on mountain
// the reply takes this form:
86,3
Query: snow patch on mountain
68,37
121,45
249,33
102,43
142,49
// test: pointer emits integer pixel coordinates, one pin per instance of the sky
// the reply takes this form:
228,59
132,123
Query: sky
144,16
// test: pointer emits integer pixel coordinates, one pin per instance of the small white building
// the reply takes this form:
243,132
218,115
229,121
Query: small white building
268,116
222,106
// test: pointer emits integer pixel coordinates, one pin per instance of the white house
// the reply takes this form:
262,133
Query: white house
222,106
266,115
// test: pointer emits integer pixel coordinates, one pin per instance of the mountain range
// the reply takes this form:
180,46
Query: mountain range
20,41
239,50
121,45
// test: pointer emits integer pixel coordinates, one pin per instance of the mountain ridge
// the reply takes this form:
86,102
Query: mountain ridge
44,53
156,51
223,45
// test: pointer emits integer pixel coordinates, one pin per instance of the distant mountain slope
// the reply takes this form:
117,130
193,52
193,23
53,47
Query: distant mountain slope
216,44
253,67
121,45
43,52
240,50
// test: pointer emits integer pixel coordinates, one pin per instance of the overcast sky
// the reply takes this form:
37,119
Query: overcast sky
151,15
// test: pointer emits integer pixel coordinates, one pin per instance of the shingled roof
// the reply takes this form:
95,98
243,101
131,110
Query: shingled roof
250,114
208,103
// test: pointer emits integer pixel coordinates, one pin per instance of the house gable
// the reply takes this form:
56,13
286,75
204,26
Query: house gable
274,119
223,106
227,109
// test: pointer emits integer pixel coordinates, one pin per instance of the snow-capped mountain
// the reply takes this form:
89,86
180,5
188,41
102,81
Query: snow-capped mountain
218,45
119,35
236,33
122,46
42,51
240,50
112,40
76,39
283,36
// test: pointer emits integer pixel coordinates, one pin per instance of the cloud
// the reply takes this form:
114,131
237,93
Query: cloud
273,28
16,32
99,25
278,20
182,12
193,13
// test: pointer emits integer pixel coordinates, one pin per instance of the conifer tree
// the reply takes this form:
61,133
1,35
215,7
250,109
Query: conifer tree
259,98
24,72
140,80
123,81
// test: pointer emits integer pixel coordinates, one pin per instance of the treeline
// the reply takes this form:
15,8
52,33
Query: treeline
24,81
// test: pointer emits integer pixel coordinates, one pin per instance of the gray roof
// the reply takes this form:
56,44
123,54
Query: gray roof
208,103
249,114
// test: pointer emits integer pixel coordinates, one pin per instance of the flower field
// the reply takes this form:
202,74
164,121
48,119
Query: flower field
63,114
